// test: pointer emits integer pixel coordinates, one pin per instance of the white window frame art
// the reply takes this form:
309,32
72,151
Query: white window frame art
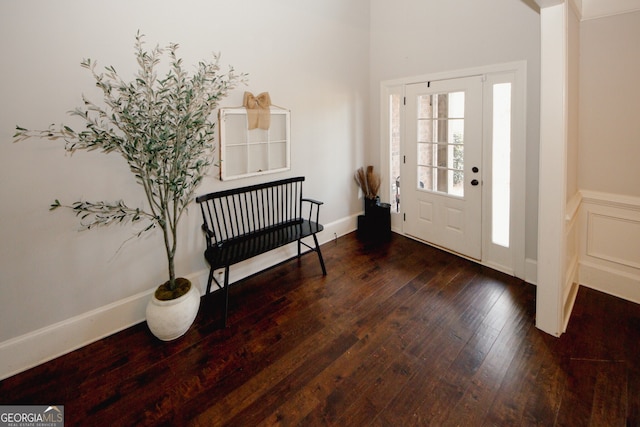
245,153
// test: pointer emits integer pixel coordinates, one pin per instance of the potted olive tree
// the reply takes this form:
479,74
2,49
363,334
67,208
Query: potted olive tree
164,129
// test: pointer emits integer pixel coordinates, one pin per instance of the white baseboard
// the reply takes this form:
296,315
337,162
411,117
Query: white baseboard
611,281
531,271
31,349
570,291
40,346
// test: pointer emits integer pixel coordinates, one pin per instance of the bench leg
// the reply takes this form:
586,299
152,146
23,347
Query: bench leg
209,281
324,270
225,307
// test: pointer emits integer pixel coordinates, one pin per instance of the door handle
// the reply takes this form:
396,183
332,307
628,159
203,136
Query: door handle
474,182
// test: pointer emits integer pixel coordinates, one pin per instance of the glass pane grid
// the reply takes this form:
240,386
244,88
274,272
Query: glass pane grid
440,156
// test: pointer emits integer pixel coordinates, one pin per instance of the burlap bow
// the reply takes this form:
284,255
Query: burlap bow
258,111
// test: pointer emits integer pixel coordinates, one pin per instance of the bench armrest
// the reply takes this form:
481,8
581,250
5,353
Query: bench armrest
304,199
208,233
313,203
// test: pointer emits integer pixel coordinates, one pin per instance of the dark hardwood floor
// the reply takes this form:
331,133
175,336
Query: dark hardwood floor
396,334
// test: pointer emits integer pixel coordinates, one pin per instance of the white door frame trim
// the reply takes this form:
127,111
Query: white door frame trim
518,187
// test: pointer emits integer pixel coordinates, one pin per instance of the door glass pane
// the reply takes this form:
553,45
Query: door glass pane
394,143
501,164
441,143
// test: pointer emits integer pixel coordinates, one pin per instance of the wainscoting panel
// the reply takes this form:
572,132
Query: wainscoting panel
571,265
614,238
610,244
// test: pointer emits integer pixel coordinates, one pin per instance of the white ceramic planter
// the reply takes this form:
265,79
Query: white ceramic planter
168,320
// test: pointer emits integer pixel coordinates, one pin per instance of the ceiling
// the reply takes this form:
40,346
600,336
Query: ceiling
598,8
591,9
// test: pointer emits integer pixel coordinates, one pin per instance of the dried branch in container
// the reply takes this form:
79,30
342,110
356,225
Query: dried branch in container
368,181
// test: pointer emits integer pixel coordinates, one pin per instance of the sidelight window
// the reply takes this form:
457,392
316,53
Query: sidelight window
501,159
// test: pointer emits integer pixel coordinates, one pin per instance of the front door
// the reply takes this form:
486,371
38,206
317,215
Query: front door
442,176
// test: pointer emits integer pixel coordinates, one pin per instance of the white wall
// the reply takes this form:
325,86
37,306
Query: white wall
609,92
415,37
311,56
608,172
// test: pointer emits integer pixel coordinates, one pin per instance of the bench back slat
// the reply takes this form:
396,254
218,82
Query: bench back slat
239,212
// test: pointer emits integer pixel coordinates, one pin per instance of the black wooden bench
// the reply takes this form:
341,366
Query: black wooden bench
241,223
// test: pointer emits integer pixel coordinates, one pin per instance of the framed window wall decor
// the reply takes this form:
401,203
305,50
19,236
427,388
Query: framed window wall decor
245,152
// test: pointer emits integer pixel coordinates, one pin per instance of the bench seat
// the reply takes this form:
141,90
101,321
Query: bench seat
245,247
